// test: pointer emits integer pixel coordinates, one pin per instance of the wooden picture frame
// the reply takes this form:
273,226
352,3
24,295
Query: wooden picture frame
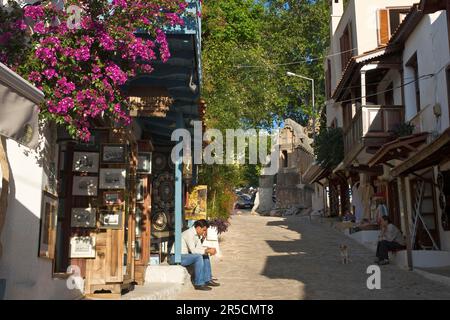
138,249
82,247
47,234
85,161
159,161
138,216
83,218
111,219
114,153
113,198
141,190
113,178
144,162
85,186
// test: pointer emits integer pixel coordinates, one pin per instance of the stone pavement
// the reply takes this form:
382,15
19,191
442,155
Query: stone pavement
294,258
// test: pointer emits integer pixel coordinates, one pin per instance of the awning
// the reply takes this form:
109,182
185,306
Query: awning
314,174
340,167
19,109
431,155
398,149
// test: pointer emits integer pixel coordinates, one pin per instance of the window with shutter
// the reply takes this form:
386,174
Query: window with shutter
346,47
383,27
389,20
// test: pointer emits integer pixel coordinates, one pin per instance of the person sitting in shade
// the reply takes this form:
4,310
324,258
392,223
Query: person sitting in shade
390,238
194,253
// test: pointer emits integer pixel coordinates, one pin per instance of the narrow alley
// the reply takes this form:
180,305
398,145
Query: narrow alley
293,258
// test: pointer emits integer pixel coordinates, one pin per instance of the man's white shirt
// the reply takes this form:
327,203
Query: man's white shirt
190,243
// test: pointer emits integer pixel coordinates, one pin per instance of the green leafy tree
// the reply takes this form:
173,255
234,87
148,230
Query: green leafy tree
248,47
329,147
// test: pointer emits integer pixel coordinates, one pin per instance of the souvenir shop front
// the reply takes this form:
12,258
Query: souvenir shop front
102,230
120,195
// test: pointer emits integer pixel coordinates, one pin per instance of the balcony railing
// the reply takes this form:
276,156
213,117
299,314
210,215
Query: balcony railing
371,125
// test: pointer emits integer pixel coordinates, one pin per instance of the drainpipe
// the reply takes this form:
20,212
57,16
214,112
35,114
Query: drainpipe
4,164
178,195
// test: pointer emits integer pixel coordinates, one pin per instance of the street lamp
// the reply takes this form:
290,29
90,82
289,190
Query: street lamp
290,74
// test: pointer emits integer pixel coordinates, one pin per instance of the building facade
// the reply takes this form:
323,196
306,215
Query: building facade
387,86
296,155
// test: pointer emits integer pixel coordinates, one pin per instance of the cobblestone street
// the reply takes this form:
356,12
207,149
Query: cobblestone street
293,258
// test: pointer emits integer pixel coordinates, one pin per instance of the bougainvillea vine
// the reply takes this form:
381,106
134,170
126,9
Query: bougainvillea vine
82,66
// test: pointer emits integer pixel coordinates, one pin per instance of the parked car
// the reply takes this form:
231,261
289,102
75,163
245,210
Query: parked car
244,201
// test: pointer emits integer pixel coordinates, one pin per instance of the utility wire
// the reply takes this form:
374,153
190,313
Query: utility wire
305,59
426,76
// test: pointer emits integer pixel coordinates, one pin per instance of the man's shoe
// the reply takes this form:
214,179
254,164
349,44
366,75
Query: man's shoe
212,283
203,288
383,262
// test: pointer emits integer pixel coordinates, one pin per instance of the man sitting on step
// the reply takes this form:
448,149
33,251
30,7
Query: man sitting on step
390,238
193,253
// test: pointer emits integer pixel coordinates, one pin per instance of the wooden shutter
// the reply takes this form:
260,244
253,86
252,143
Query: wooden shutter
383,27
346,46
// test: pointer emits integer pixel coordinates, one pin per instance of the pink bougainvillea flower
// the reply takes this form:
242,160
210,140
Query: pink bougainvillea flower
40,28
65,86
35,77
49,73
120,3
175,19
107,42
81,71
34,12
183,6
116,74
48,55
82,54
65,105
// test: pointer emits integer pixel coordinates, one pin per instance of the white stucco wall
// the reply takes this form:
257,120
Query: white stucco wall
367,21
430,41
334,111
362,14
335,47
317,198
27,276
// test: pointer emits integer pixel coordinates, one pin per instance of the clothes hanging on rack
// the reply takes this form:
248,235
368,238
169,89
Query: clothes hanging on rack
357,201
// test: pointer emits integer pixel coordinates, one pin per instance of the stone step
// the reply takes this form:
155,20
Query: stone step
154,291
167,274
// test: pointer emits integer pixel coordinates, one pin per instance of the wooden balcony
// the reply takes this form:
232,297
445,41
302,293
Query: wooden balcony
371,127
